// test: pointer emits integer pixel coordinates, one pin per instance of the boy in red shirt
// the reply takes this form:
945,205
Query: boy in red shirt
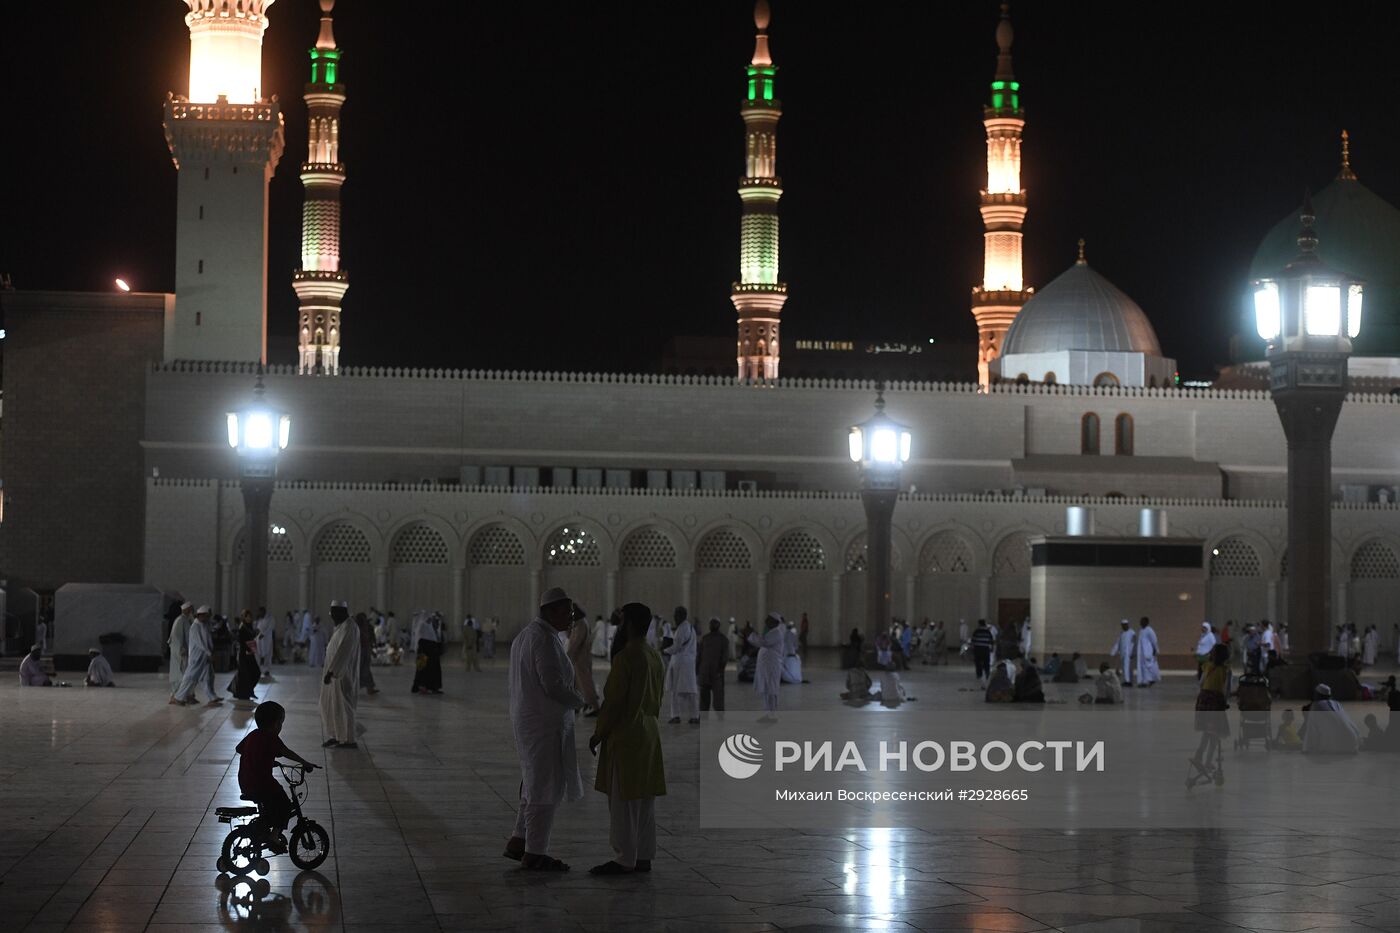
257,754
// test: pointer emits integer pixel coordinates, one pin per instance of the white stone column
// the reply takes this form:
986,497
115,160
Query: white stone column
1271,601
609,595
381,586
1339,605
225,597
459,611
761,579
910,588
303,588
984,600
838,611
535,591
687,579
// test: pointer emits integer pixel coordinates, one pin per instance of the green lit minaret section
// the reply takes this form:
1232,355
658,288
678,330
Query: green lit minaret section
321,283
996,302
758,296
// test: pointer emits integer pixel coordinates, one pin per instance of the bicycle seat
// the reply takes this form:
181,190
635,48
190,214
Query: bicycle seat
245,797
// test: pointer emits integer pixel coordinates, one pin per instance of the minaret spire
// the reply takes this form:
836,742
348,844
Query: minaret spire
1346,174
1003,206
758,296
321,283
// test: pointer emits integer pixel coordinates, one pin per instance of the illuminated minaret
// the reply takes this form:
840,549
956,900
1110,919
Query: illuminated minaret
758,296
225,139
321,283
1002,292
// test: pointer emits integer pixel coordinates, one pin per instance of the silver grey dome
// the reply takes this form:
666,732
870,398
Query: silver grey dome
1080,310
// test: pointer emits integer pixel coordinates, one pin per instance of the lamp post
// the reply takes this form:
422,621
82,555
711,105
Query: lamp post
881,446
259,433
1308,315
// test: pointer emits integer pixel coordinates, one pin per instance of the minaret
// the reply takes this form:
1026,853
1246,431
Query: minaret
758,296
321,283
1002,292
225,139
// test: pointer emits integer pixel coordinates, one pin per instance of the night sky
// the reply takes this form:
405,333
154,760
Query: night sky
552,185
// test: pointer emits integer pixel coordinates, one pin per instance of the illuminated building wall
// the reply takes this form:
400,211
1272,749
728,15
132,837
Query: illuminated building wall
1003,206
758,296
225,140
321,283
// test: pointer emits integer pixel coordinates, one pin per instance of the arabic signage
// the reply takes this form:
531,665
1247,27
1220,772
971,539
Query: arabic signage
851,346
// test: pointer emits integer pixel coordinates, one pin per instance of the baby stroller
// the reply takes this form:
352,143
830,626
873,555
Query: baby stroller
1256,716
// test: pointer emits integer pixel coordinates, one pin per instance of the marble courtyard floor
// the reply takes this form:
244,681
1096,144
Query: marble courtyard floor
108,825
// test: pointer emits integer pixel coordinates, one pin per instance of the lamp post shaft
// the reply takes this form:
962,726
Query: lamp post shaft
879,515
1308,391
257,501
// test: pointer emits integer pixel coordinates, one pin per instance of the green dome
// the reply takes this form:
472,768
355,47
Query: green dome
1357,233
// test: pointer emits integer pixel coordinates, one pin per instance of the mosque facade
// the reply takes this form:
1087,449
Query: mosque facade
471,491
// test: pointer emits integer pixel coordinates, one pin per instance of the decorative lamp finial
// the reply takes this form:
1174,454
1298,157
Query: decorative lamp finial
1005,36
1081,261
1307,236
326,39
1346,174
880,395
762,16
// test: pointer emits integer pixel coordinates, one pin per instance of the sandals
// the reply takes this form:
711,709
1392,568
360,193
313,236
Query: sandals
610,868
532,862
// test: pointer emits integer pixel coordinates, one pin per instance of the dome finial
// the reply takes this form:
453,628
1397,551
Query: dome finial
1005,36
1307,236
1081,261
1346,174
762,16
326,40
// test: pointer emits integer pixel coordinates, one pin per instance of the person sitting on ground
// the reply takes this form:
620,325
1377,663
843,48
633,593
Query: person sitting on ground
1068,671
892,692
1108,689
257,753
99,672
1052,666
857,686
1327,730
1000,688
1028,687
1392,696
1288,739
31,670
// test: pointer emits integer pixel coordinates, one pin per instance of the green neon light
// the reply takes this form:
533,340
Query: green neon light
767,88
330,72
1015,85
1015,101
752,91
315,66
998,85
997,100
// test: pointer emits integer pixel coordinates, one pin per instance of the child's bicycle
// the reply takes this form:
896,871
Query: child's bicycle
309,842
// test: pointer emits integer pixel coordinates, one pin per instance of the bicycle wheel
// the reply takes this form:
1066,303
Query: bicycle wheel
310,845
241,851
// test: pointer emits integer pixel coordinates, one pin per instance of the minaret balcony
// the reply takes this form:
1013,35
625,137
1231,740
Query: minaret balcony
320,275
1001,297
775,288
332,168
178,108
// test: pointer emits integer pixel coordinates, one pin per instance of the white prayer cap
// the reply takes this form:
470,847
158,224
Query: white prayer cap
339,604
202,611
1205,625
778,617
33,647
94,651
555,594
1323,690
186,605
1126,622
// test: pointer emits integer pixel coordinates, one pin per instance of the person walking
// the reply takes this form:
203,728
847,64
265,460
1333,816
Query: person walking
768,669
712,658
471,645
366,652
543,702
246,672
427,636
983,641
628,744
682,692
1123,651
199,672
179,644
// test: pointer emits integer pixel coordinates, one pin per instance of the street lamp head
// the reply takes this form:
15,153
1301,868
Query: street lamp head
259,432
1308,305
880,442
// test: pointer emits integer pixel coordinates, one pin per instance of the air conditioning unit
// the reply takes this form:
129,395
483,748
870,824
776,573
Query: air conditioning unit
748,485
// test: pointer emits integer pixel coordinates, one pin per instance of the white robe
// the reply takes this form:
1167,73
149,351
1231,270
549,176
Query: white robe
680,675
338,697
1148,669
99,673
1026,640
963,633
179,635
1328,730
1123,648
316,656
768,671
542,705
265,626
1371,646
792,663
304,631
1206,643
41,637
200,669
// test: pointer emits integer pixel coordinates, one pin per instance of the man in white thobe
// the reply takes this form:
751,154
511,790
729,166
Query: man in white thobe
1026,640
792,661
542,706
199,670
99,672
178,642
1123,650
1370,646
1149,670
31,669
1204,646
682,689
341,684
265,626
963,632
768,669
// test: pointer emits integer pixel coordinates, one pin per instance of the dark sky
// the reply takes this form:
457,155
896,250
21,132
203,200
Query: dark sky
552,185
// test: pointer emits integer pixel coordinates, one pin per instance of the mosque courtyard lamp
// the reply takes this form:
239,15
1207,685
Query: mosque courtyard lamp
1309,314
258,433
881,446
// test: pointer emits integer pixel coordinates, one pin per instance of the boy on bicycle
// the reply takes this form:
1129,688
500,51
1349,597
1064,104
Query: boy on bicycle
258,753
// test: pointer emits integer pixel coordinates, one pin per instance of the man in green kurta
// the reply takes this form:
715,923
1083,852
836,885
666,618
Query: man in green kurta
630,771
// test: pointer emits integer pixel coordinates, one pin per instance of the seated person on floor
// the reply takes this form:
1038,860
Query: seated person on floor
1000,688
1108,689
1288,738
858,686
99,672
1028,687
